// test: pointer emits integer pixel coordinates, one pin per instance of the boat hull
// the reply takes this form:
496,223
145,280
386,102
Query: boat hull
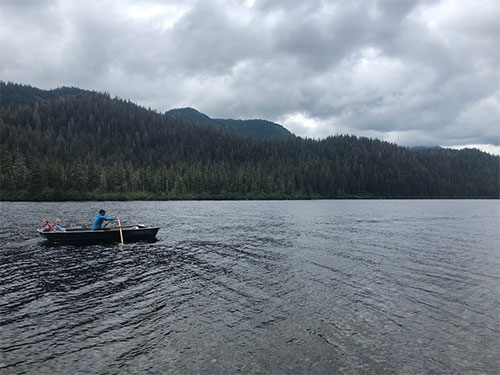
83,235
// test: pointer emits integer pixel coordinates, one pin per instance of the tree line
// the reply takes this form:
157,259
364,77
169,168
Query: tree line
89,146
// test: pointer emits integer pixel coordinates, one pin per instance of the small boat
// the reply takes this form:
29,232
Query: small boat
87,235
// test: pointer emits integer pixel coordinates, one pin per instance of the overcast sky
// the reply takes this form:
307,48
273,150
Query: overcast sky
410,72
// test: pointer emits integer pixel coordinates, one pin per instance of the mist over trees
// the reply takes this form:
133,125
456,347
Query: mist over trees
84,145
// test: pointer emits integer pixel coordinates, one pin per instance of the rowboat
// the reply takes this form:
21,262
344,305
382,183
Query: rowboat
87,235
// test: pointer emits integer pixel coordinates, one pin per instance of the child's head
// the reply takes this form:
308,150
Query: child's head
45,221
58,221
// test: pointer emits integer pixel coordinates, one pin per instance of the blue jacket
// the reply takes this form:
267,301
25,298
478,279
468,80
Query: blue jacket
99,219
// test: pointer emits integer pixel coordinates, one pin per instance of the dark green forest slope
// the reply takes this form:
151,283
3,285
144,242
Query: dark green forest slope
90,146
13,94
258,129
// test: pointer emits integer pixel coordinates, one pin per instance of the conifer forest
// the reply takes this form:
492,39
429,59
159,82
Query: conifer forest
71,144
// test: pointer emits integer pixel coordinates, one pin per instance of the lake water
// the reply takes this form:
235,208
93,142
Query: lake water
256,287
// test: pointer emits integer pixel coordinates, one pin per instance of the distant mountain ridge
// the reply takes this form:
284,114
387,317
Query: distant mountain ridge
194,116
258,129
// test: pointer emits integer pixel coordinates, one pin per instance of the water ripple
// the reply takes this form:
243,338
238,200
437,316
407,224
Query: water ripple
257,287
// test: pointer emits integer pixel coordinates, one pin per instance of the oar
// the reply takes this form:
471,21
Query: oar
121,233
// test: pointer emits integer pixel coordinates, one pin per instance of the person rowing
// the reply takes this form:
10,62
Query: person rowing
101,216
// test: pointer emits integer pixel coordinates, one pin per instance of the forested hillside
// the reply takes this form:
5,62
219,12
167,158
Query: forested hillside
258,129
90,146
13,94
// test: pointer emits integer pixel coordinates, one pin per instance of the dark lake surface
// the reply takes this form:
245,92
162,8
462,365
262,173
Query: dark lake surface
256,287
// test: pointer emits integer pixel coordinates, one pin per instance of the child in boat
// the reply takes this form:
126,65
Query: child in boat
57,226
47,227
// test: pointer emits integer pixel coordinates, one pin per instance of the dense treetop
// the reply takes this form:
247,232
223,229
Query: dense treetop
91,146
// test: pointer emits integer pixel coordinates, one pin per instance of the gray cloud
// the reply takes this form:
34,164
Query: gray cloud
412,72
